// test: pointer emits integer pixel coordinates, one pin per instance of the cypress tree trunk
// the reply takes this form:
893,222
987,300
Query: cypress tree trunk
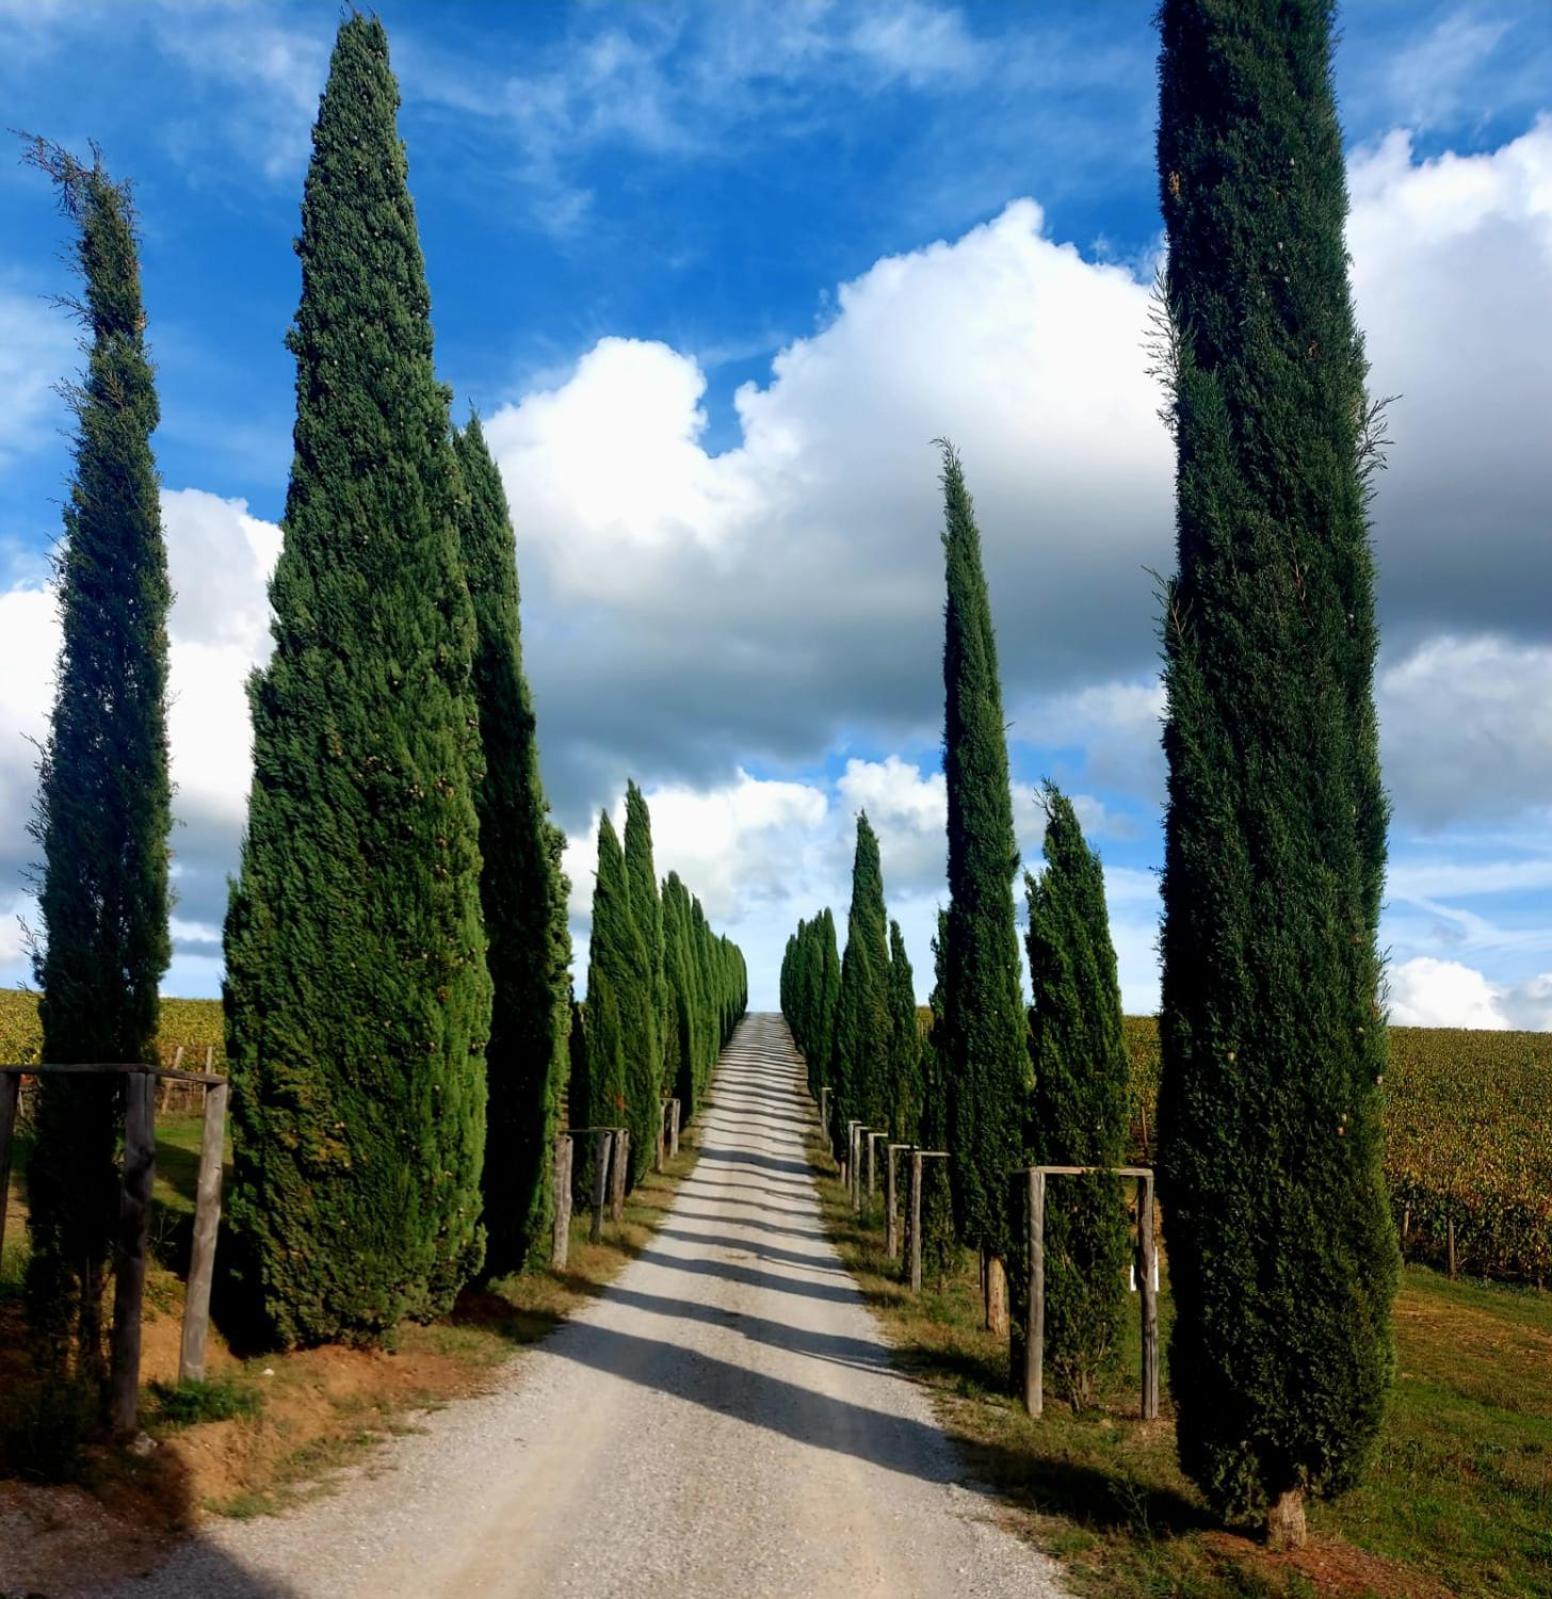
358,1000
1078,1107
983,1048
104,797
1282,1252
525,1060
862,1033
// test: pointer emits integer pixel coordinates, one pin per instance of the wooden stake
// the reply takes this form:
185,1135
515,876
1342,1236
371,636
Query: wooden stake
207,1222
660,1145
1148,1301
560,1237
916,1221
997,1296
674,1109
1034,1329
617,1175
892,1200
603,1140
824,1119
130,1253
10,1095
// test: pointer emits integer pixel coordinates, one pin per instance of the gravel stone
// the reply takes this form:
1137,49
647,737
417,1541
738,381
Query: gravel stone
723,1421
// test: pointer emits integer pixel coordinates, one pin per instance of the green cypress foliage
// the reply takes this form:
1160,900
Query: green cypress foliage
984,1051
616,963
647,907
639,1000
862,1031
938,1235
905,1043
525,1060
1282,1250
683,992
104,797
358,1000
1078,1107
827,990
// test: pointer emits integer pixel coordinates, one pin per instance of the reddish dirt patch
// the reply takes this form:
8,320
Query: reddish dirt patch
1333,1567
315,1399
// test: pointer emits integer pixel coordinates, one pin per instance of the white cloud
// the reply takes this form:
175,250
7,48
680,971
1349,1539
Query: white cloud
220,560
1426,992
1430,78
1466,727
1452,274
37,348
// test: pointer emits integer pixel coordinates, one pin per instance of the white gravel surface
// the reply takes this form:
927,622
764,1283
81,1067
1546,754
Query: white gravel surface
724,1420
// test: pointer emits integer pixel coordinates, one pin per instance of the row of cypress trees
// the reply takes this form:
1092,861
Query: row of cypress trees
995,1084
398,992
664,992
1281,1244
854,1016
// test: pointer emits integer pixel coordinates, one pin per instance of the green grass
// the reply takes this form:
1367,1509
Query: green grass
183,1403
1458,1501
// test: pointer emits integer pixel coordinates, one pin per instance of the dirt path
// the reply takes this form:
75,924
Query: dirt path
723,1421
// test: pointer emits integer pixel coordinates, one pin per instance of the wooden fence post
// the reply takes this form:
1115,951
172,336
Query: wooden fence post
10,1097
892,1200
130,1253
207,1222
1149,1303
660,1144
560,1237
618,1173
674,1110
1034,1332
916,1221
603,1139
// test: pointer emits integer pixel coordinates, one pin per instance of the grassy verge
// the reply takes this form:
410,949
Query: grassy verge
265,1432
1459,1500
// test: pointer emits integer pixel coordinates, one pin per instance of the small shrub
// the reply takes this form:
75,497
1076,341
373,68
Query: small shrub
45,1428
182,1404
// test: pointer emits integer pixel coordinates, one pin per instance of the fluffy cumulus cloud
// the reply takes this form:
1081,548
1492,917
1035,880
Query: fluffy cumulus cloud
727,625
1428,992
220,559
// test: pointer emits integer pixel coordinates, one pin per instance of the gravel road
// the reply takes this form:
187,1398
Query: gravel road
723,1421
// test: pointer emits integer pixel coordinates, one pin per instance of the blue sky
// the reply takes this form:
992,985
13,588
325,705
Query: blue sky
716,275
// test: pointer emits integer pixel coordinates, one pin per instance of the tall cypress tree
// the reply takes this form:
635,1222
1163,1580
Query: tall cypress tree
905,1042
862,1028
358,1000
526,1058
827,997
640,1018
647,908
1282,1250
104,797
614,952
683,1001
1078,1107
984,1052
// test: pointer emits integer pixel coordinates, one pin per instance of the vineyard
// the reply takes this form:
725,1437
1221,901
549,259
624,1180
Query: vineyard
195,1024
1466,1141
